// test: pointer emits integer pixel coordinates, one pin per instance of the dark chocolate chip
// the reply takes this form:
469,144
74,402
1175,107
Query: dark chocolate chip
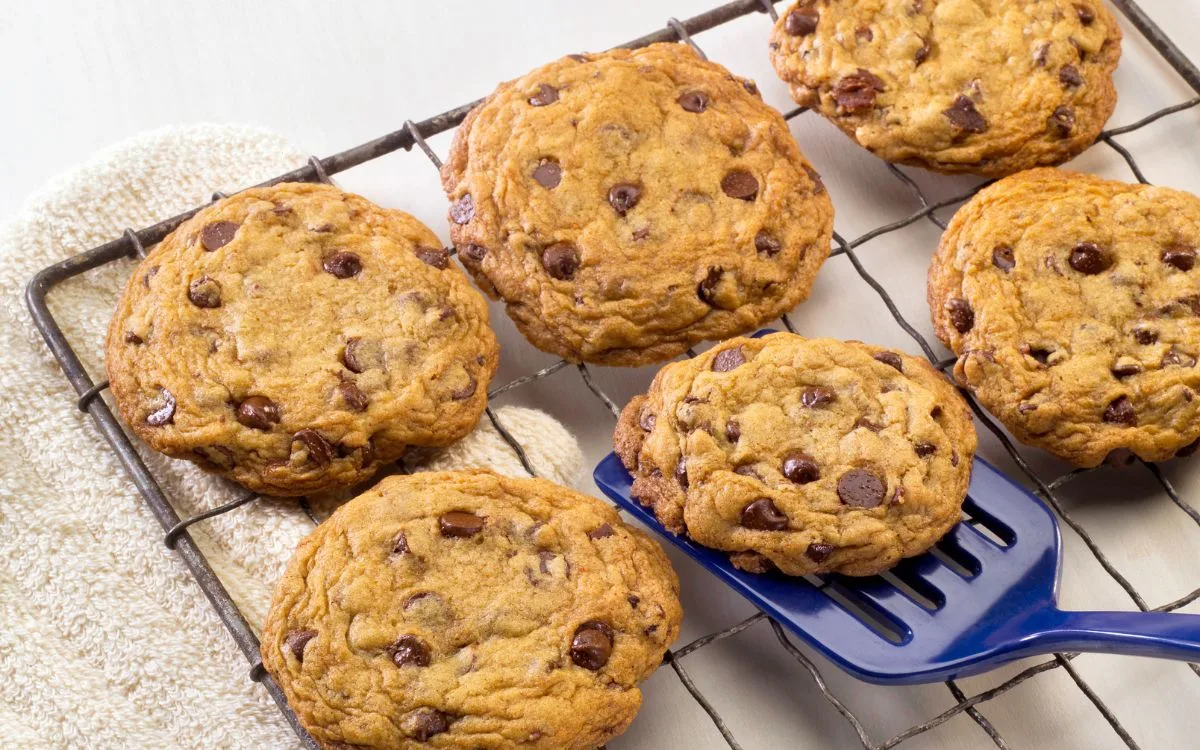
962,317
1126,369
860,488
694,101
546,94
409,649
462,210
343,265
257,412
561,260
923,53
1180,256
1026,407
133,338
633,600
867,424
580,58
1069,77
818,184
763,515
548,174
624,196
352,395
428,723
297,640
1086,15
602,531
924,450
361,355
646,420
1088,258
320,452
217,234
205,292
856,92
1003,257
436,257
740,184
1121,412
474,252
1042,54
400,545
815,396
766,245
467,390
1145,336
1176,357
681,473
1063,121
801,22
897,495
965,117
706,289
818,552
460,524
592,645
729,359
164,414
890,359
746,470
864,34
149,275
733,431
800,468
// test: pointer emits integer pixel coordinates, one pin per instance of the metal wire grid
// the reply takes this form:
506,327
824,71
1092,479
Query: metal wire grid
133,244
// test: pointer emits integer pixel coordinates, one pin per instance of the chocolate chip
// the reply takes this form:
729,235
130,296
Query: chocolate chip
641,234
890,359
763,515
1041,355
694,101
1026,407
1121,412
320,452
864,34
133,338
733,431
436,257
965,117
428,723
746,470
751,87
924,450
633,600
352,396
205,292
740,184
860,488
344,265
1176,357
1003,258
800,468
729,359
856,92
923,53
561,260
467,390
592,645
1063,121
1145,336
707,289
1086,14
816,396
1180,256
646,420
361,355
164,414
548,174
462,210
867,424
257,412
546,94
818,552
400,545
297,640
681,473
1125,368
409,649
801,22
1088,258
818,184
962,317
149,275
1069,77
474,252
460,524
624,196
766,245
603,531
217,234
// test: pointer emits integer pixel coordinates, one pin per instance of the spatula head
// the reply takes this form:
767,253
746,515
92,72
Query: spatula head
953,611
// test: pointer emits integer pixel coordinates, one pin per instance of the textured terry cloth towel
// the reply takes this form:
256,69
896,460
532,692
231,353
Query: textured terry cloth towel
105,639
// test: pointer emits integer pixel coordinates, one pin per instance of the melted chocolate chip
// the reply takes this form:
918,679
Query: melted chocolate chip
257,412
320,452
965,117
624,196
740,184
343,265
800,468
924,450
603,531
646,420
361,355
400,545
592,645
410,650
133,338
766,245
467,390
801,22
923,53
729,359
962,317
149,275
707,289
1003,258
548,174
436,257
818,184
164,414
217,234
864,34
561,260
818,552
860,488
867,424
546,94
462,210
694,101
1063,121
1069,77
1088,258
474,252
1086,15
763,515
205,292
1176,357
428,723
352,396
1125,369
460,524
681,473
297,640
856,92
1145,336
733,431
1121,412
816,396
890,359
1180,256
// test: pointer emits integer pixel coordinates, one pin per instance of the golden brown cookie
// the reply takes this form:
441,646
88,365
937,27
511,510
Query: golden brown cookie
469,610
989,87
629,204
806,455
295,338
1074,306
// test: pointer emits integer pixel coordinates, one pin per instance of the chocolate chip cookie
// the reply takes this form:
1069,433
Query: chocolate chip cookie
1074,306
295,338
469,610
629,204
805,455
989,87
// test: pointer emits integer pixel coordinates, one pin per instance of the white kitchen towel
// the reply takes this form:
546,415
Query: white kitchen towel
105,639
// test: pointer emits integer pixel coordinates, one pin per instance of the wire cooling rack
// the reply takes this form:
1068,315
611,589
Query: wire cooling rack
133,244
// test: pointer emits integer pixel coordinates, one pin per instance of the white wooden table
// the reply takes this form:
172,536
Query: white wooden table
77,76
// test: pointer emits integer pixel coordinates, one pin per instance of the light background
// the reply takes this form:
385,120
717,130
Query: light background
77,76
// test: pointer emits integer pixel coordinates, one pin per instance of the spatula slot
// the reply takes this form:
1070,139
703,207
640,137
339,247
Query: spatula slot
988,525
880,622
914,588
956,558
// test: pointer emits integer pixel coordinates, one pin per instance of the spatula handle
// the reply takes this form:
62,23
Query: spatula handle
1158,634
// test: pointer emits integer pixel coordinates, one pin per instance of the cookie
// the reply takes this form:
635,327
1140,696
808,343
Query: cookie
470,610
629,204
802,455
1073,304
989,87
295,338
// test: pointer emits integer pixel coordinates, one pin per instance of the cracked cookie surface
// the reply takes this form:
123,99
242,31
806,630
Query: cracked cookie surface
295,338
470,610
989,87
806,455
628,204
1073,304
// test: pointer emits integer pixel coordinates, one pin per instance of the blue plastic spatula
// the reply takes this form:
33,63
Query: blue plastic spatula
979,601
